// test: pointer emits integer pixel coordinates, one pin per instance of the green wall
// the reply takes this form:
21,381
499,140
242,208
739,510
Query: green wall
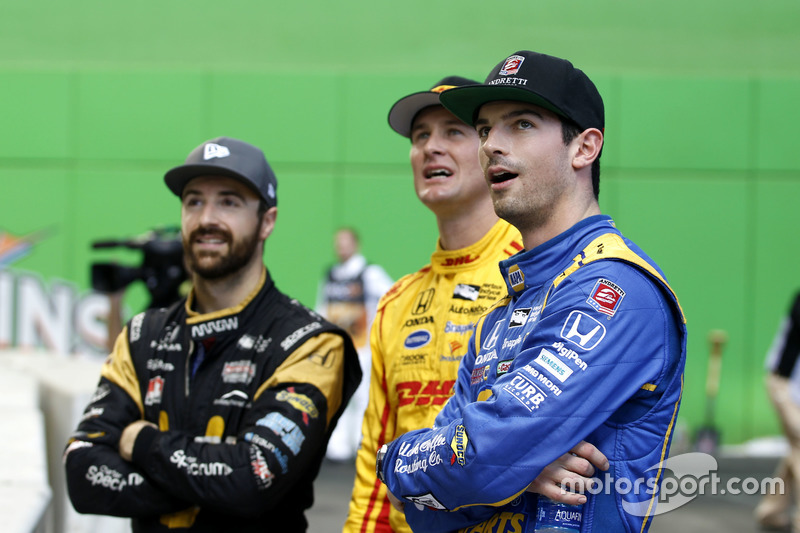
97,100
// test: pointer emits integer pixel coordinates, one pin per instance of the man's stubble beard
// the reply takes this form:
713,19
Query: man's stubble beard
531,212
535,204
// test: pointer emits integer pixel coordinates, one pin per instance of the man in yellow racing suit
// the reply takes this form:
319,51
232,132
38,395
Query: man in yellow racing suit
424,322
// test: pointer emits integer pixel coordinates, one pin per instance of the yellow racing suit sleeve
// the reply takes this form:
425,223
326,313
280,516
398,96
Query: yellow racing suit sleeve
310,363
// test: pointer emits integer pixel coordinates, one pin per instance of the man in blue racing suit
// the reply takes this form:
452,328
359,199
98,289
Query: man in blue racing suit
589,342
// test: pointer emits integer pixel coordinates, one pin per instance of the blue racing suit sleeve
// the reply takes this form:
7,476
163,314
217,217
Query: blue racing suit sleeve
505,428
419,517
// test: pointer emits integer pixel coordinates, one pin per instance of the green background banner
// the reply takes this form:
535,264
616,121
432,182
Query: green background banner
700,165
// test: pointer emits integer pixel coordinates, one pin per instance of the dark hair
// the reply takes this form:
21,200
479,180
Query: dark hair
570,130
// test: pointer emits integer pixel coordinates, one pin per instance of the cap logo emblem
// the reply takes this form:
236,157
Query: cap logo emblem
442,88
511,66
211,150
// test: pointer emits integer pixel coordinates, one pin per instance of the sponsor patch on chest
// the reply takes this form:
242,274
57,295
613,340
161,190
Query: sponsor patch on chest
155,389
238,372
480,374
417,339
464,291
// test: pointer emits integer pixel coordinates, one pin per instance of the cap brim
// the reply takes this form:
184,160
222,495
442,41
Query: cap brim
465,102
401,116
177,178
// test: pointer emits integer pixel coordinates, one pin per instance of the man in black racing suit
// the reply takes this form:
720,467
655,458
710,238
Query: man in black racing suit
214,414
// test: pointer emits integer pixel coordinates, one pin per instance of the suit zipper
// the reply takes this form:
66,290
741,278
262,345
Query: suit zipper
187,371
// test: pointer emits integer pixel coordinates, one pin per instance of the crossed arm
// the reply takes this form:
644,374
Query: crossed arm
573,469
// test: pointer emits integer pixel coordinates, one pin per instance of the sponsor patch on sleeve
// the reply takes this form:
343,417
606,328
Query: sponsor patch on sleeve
291,435
553,365
426,500
583,330
606,297
101,392
261,470
301,402
526,392
459,445
76,445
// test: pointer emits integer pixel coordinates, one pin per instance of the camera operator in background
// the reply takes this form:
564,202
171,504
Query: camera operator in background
163,271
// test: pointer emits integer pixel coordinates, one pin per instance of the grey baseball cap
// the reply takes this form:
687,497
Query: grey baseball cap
224,156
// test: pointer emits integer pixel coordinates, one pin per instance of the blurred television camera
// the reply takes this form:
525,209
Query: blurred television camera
162,268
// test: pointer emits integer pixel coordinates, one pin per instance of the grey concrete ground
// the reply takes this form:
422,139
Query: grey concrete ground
705,513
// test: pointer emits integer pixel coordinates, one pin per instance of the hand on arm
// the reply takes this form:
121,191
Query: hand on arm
128,437
395,501
564,479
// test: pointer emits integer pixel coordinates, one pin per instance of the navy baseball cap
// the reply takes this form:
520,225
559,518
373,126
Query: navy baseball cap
547,81
405,110
224,156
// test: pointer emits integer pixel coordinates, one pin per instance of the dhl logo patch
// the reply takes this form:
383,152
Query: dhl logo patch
433,393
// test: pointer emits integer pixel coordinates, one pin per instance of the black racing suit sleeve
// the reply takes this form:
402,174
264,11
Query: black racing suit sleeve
280,439
98,480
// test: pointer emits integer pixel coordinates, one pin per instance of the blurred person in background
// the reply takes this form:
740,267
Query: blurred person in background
775,511
348,296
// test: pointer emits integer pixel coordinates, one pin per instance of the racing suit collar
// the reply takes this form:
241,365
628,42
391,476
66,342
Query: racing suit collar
534,268
193,316
471,257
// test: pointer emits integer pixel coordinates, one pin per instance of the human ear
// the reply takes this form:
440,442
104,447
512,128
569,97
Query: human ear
589,143
268,222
